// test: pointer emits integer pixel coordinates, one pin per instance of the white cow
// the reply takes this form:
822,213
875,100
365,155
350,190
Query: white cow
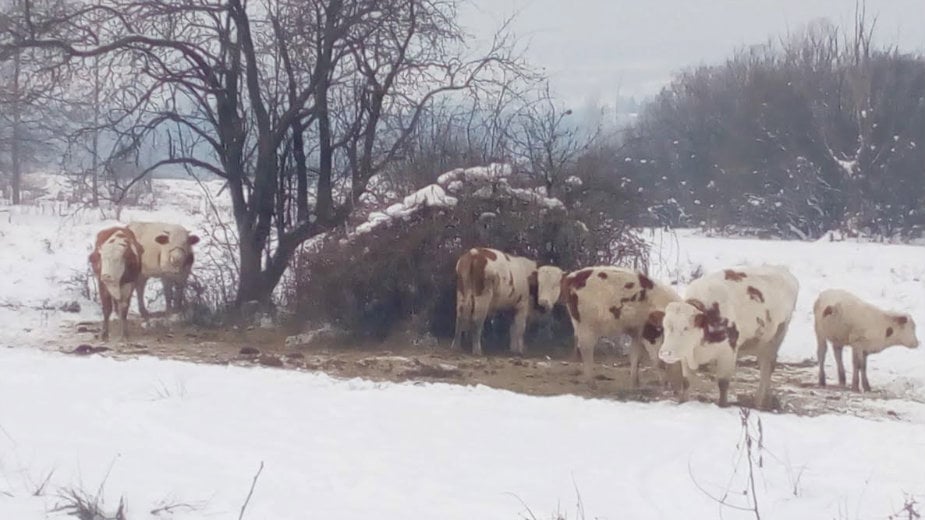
116,262
847,321
742,311
606,301
168,255
487,281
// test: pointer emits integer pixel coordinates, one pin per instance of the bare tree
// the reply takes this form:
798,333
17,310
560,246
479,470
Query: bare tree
325,93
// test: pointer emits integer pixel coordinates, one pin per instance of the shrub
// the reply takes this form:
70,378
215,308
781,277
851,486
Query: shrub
398,271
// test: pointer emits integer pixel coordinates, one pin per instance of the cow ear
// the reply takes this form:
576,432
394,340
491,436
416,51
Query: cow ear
192,240
94,260
162,239
655,318
563,288
700,320
901,320
697,304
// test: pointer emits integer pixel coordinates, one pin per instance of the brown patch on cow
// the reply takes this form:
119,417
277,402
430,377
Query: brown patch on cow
901,320
510,280
761,322
889,331
697,304
573,306
602,275
580,279
716,327
471,268
564,289
827,311
488,253
653,330
733,333
755,294
616,312
629,285
645,282
734,276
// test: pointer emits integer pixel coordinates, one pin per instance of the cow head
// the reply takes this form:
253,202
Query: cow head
548,286
902,331
176,248
112,255
683,331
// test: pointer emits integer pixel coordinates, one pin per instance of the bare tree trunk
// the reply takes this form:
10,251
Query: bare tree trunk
15,151
95,167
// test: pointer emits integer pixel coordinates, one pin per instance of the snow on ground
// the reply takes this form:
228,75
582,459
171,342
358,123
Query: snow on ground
169,432
175,432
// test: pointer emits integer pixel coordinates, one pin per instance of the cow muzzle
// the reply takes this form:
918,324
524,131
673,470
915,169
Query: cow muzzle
668,357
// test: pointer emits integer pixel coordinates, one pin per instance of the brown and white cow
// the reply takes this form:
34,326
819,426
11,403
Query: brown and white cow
488,281
606,301
169,256
116,262
727,314
848,321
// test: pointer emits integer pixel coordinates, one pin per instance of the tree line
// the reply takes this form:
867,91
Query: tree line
820,131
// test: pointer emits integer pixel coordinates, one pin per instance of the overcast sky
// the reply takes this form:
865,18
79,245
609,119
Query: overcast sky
596,49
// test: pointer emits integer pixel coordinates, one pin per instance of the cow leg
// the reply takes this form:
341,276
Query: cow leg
837,351
140,289
725,370
821,347
635,351
586,343
865,385
480,309
123,317
463,320
576,355
106,300
685,382
660,372
518,327
179,294
766,365
856,361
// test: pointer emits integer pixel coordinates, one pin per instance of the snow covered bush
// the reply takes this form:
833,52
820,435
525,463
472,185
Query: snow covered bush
397,266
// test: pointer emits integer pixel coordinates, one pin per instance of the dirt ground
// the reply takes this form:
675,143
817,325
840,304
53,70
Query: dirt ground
542,372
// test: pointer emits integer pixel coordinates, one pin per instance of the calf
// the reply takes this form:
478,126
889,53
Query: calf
607,301
743,311
847,321
487,281
168,255
116,262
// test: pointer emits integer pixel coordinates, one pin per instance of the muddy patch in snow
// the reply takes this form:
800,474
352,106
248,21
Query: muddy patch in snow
543,372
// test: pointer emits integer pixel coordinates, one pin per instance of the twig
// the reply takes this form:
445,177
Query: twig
251,492
40,489
529,515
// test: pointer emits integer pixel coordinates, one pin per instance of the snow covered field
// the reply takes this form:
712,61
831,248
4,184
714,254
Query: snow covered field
170,432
